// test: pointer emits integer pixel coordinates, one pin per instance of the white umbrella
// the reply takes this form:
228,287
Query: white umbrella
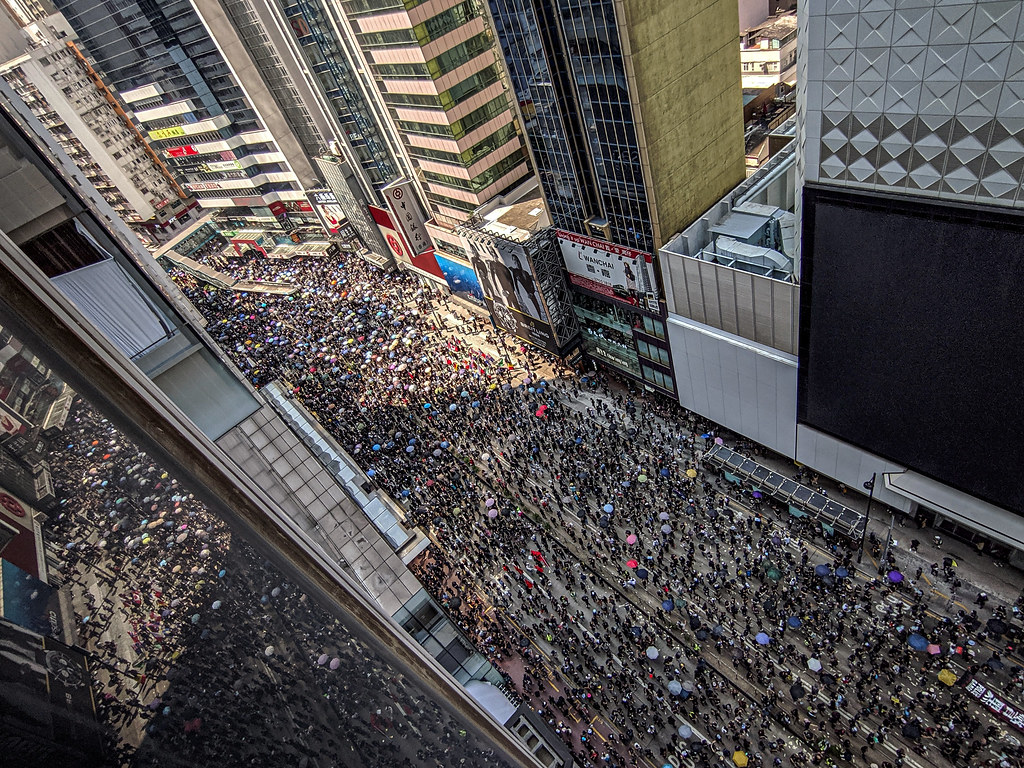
814,665
652,653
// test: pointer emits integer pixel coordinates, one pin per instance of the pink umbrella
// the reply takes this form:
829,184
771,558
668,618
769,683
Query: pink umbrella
719,441
322,660
335,663
492,513
489,503
631,539
933,649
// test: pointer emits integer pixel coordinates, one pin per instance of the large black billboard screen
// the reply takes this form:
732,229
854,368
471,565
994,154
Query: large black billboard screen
912,336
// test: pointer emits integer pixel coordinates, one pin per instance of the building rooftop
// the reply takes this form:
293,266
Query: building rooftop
776,28
518,221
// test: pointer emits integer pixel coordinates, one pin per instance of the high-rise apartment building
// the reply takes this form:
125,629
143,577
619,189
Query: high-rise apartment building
63,90
192,84
436,67
633,114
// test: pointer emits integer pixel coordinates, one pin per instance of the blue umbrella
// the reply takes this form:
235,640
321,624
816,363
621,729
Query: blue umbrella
609,508
675,687
371,472
706,435
842,573
917,642
762,638
475,404
821,570
794,622
636,631
427,406
453,407
664,472
642,574
376,446
668,605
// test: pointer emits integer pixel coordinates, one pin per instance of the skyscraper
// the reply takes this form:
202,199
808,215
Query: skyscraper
224,135
63,90
633,114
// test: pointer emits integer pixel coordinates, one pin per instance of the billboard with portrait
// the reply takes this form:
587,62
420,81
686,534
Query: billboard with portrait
508,284
620,273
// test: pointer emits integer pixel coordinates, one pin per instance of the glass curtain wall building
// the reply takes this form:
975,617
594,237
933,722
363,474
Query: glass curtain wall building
633,114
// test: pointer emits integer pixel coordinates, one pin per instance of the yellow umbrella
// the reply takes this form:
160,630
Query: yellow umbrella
691,473
949,678
740,758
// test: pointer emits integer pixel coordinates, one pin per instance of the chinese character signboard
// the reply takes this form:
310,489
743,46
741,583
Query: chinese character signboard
620,273
408,216
424,262
188,149
167,133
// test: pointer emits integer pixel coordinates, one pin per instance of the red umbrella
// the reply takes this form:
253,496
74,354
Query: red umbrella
632,563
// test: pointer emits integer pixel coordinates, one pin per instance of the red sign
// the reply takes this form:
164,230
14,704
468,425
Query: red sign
604,245
425,262
188,149
12,505
282,207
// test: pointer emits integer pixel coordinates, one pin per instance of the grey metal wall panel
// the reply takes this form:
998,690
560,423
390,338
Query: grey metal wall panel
746,387
754,307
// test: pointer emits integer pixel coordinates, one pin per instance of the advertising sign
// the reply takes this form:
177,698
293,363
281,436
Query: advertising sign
620,273
47,700
505,276
24,547
461,279
183,151
424,262
282,207
167,133
227,165
328,209
408,216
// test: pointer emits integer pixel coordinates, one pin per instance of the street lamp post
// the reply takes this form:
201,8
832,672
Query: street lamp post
870,486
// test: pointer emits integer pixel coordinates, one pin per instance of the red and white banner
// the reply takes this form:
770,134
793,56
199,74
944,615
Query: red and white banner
424,262
620,273
407,216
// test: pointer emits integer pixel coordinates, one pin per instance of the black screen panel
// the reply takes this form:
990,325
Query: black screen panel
912,336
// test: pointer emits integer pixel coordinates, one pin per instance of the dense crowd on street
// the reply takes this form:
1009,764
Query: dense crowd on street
649,610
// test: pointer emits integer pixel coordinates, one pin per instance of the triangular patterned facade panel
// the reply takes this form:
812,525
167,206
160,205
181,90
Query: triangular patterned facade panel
996,22
875,29
1011,100
979,97
869,96
910,26
840,65
908,63
841,31
1015,68
938,98
945,62
986,61
902,98
872,64
951,24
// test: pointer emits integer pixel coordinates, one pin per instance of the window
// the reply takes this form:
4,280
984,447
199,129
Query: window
653,327
651,352
657,378
459,55
440,25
